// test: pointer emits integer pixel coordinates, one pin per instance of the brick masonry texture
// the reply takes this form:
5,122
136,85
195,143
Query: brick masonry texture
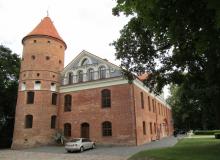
43,60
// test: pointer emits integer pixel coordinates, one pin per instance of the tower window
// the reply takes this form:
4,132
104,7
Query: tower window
67,130
61,46
67,103
48,41
35,41
33,57
28,121
54,99
53,87
47,57
106,98
106,128
30,97
23,86
37,85
60,61
38,74
53,122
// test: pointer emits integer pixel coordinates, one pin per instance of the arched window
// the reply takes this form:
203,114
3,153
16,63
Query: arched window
67,130
54,99
53,122
102,72
85,62
30,97
106,128
80,76
28,121
70,78
67,103
106,98
90,74
85,130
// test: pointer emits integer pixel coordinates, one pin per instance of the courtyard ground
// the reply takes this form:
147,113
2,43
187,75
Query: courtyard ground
100,153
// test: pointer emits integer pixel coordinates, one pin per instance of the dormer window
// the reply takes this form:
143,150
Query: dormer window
70,78
80,76
102,72
85,62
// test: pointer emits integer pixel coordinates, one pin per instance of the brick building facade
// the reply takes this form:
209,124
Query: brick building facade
87,98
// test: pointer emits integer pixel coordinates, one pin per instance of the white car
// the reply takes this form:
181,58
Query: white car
79,144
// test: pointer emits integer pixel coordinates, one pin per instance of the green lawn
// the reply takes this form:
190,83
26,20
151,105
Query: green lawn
185,149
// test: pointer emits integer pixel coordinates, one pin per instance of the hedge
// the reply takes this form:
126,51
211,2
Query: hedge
217,135
206,132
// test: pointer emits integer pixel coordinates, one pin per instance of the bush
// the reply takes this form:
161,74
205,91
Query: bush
217,135
206,132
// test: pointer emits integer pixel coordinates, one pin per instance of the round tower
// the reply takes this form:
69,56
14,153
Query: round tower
38,97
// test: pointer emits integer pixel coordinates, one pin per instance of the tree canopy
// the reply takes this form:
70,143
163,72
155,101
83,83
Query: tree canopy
175,42
9,72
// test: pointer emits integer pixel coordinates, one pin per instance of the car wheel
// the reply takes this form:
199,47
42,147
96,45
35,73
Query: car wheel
81,149
93,146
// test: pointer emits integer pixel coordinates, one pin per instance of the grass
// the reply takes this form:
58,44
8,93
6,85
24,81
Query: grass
185,149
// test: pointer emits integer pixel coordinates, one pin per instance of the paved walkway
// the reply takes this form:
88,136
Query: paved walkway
100,153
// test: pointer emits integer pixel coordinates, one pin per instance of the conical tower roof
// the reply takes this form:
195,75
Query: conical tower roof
45,28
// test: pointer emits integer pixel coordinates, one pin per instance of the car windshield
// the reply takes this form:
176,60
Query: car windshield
75,140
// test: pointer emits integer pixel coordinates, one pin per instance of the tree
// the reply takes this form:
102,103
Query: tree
188,112
9,72
175,42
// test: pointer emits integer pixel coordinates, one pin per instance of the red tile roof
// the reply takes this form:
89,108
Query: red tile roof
143,77
45,28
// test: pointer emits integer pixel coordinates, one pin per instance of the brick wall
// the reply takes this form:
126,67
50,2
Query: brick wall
86,107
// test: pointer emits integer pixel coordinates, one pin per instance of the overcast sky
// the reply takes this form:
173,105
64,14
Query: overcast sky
83,24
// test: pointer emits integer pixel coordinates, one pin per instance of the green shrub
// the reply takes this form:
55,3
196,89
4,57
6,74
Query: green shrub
217,135
206,132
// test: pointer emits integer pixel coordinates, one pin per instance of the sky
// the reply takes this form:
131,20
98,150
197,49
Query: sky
83,24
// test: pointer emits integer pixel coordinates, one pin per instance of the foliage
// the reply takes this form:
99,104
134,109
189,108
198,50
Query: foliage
206,132
185,149
217,135
188,111
175,42
59,137
9,72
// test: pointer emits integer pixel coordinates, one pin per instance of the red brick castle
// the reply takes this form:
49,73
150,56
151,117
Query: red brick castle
87,98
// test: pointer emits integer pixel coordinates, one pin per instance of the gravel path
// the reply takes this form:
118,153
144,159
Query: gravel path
100,153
